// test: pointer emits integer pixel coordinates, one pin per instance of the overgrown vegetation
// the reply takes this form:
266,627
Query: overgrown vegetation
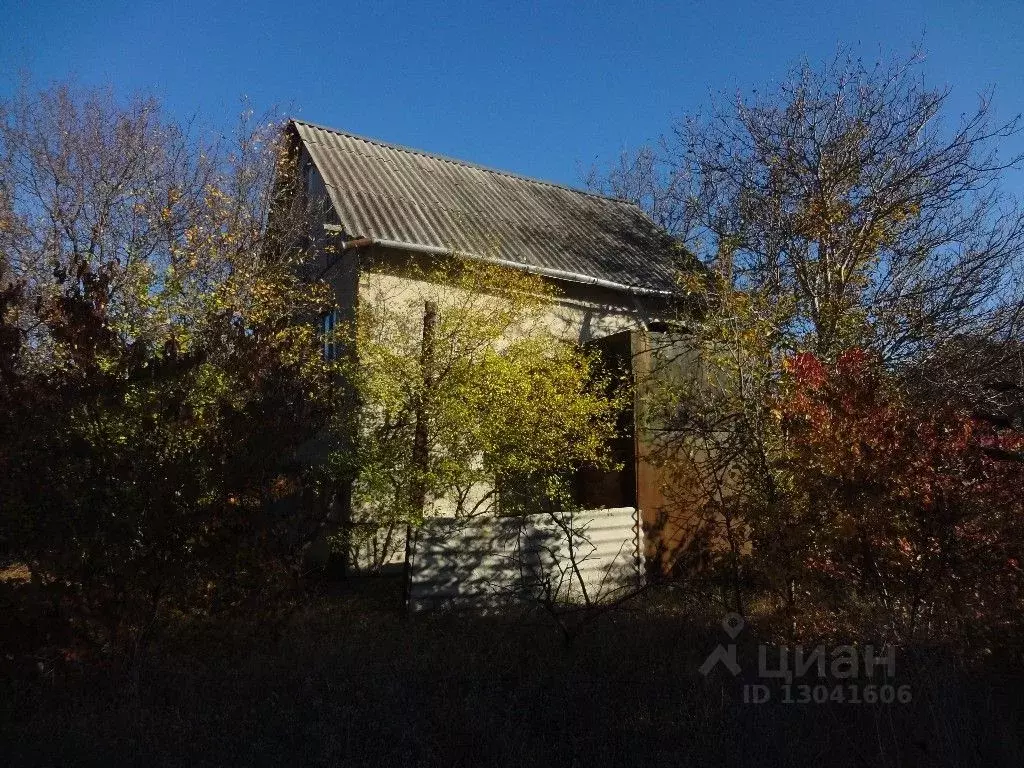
160,373
469,402
847,443
175,440
352,683
840,435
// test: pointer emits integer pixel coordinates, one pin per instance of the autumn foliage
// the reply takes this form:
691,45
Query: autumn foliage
910,514
160,370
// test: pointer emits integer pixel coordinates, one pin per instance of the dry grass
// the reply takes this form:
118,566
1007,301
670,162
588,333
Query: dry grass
17,574
352,682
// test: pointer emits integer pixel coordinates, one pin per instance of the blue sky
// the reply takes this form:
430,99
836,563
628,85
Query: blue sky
543,89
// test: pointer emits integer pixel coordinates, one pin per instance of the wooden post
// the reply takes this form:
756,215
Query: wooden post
421,436
421,444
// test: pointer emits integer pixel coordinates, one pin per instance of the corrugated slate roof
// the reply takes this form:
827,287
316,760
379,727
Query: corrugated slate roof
388,192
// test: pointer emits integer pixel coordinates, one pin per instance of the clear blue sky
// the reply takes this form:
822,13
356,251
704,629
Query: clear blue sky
543,89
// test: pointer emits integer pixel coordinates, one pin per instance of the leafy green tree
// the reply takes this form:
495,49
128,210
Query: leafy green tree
469,403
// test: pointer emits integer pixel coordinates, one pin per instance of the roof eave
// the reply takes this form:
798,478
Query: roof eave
549,272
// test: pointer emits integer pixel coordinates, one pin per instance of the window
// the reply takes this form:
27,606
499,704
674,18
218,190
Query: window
330,324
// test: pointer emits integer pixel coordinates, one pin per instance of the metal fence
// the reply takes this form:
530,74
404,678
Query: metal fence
489,562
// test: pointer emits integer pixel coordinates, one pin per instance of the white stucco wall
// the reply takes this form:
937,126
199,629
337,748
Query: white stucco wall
580,313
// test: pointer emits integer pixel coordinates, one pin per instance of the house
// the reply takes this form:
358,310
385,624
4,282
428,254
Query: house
613,268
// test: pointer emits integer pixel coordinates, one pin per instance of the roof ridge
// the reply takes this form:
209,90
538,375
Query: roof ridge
464,163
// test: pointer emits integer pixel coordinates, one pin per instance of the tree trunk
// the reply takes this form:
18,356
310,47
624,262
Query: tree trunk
421,444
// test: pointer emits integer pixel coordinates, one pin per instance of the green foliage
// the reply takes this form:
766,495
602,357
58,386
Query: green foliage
506,409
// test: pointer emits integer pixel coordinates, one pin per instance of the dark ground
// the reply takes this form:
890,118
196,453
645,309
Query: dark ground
352,682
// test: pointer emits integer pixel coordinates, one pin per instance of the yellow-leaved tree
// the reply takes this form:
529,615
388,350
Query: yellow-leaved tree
469,401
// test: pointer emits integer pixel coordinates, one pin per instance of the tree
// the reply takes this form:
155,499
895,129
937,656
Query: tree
838,212
468,402
161,372
845,194
909,511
